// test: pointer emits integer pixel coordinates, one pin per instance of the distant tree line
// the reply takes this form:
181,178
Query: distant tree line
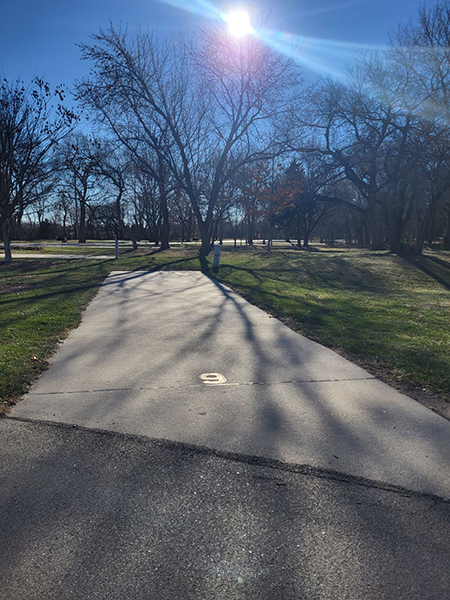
215,137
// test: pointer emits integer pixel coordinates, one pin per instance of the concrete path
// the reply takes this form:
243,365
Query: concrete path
135,366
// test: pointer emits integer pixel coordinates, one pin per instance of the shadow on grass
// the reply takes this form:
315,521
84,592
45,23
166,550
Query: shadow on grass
46,266
433,266
170,264
332,273
383,338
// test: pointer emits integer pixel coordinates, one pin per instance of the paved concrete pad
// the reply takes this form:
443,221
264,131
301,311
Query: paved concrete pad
134,366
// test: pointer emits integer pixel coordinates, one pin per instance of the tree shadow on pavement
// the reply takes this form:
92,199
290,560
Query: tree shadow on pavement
92,515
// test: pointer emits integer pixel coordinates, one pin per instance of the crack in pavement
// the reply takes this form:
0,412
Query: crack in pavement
201,385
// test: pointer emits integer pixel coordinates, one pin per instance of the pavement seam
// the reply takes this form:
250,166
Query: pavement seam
300,469
201,385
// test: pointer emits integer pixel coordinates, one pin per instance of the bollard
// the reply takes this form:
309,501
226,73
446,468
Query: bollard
216,258
117,246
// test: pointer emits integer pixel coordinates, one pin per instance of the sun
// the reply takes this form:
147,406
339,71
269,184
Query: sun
239,23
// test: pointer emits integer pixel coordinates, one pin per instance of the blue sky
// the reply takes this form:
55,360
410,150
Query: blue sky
38,37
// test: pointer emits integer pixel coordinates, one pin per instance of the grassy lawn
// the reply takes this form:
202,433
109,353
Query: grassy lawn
84,250
66,250
39,302
386,313
379,309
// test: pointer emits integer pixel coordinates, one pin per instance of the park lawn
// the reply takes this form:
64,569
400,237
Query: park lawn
81,250
388,314
86,250
378,309
40,301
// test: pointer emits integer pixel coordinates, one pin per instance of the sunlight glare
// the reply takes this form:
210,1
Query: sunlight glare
239,23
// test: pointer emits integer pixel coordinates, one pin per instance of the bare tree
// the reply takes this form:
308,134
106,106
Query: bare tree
80,158
32,122
384,133
124,93
350,129
421,48
189,103
116,166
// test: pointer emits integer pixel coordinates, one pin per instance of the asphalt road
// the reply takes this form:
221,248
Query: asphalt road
87,515
135,366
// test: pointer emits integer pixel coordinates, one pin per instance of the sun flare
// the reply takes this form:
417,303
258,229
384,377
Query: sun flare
239,23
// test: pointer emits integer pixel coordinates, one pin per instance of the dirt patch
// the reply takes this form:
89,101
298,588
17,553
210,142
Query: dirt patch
435,402
6,407
437,405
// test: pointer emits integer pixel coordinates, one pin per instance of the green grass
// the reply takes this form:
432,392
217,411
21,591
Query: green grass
84,250
380,310
66,250
389,314
39,302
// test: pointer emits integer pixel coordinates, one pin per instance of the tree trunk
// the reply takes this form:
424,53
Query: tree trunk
447,235
348,233
376,239
299,230
7,241
205,232
306,239
432,229
249,232
130,233
394,232
214,233
82,225
399,213
423,231
165,226
133,239
189,227
18,227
